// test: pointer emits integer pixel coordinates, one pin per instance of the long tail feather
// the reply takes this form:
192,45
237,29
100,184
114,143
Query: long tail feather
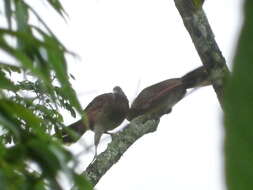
74,131
196,78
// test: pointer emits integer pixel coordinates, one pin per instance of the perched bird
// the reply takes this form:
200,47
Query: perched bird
104,113
159,98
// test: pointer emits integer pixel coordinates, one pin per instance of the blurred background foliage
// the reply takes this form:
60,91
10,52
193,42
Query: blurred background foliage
34,85
239,110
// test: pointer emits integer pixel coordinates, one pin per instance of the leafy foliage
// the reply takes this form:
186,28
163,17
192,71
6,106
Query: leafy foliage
239,111
33,88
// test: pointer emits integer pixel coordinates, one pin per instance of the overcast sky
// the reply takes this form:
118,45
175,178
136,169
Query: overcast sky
137,43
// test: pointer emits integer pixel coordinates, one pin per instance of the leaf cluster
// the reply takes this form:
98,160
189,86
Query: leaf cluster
34,86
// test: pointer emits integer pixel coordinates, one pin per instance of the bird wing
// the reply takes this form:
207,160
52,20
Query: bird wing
151,95
98,106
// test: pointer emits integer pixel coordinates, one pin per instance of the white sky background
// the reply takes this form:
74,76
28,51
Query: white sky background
137,43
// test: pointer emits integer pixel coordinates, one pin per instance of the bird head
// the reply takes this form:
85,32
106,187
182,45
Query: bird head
118,90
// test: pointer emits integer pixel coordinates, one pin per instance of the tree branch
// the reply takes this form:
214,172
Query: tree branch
121,141
202,36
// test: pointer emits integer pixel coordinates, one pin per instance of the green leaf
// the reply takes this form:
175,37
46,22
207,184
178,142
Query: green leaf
58,62
57,6
24,59
3,181
15,154
9,123
41,69
46,27
239,111
81,183
6,83
19,112
22,16
46,159
29,103
8,12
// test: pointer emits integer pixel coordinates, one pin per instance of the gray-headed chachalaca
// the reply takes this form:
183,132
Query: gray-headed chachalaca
107,111
104,113
158,99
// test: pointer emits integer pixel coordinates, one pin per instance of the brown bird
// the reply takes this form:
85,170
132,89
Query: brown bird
159,98
104,113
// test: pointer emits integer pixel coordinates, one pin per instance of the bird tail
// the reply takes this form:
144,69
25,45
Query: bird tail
196,78
74,131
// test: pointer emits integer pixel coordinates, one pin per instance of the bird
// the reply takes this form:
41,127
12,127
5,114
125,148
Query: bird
158,99
104,113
